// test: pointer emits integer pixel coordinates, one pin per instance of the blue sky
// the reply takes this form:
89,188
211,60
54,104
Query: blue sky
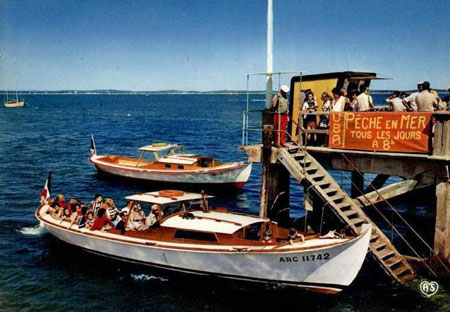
211,45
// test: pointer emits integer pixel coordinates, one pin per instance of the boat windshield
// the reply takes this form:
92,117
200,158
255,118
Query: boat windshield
173,208
170,209
159,150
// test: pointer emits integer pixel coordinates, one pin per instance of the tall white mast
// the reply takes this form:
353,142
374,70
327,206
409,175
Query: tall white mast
269,82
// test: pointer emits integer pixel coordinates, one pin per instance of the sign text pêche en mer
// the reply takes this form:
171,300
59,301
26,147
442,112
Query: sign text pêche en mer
380,131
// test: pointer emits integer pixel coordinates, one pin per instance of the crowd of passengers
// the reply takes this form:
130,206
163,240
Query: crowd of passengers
424,99
101,214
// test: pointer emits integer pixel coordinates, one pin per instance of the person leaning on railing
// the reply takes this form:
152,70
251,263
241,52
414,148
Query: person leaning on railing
310,106
447,99
280,118
395,102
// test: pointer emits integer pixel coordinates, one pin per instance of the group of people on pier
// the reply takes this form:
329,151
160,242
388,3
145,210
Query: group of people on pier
424,99
101,214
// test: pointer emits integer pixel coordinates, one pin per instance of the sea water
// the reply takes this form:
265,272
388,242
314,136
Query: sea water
38,272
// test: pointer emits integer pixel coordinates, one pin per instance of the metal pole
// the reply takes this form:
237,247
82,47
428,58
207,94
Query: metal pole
246,116
269,82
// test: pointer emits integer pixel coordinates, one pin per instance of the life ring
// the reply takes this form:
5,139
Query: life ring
170,193
159,144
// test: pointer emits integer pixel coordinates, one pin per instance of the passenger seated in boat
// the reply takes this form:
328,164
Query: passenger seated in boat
47,206
76,215
268,237
293,235
95,204
81,217
67,215
56,211
89,219
137,219
61,200
101,221
72,205
101,208
114,214
154,216
204,205
127,208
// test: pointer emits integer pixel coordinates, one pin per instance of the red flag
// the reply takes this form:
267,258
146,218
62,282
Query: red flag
46,190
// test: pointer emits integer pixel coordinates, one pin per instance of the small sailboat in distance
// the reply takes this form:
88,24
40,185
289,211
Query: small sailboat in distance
14,103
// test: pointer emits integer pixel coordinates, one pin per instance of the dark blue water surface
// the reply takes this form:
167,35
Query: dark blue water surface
40,273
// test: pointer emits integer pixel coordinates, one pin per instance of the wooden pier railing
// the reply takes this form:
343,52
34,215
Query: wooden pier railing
441,143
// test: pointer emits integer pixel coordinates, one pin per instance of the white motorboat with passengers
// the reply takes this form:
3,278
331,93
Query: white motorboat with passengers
189,236
171,165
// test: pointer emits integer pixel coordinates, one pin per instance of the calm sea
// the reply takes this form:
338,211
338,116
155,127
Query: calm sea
40,273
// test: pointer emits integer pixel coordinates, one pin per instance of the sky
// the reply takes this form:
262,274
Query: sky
212,45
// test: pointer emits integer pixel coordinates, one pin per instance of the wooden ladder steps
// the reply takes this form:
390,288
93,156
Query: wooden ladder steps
317,177
401,270
330,191
408,277
391,262
374,237
298,156
344,206
311,170
349,212
357,221
302,166
384,253
379,245
337,199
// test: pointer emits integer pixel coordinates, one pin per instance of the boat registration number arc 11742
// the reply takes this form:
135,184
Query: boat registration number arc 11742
306,258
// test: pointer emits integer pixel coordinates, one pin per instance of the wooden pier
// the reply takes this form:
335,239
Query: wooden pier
308,165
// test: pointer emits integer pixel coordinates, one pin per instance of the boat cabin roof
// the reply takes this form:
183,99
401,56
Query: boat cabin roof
177,159
213,221
157,147
161,199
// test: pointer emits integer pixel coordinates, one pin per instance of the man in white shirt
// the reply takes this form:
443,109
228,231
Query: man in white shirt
425,100
364,100
395,102
411,99
338,104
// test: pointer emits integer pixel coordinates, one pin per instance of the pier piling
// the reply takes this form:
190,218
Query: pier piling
442,228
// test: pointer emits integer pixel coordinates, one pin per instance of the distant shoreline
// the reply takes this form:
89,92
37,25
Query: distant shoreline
162,92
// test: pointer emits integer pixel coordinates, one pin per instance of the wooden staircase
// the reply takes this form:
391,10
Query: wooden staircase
303,167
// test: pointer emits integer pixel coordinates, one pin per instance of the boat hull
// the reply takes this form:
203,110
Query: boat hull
15,104
236,174
327,268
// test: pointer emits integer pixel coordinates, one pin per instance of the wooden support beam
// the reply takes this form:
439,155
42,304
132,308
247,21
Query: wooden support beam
278,184
265,174
442,228
377,183
357,183
388,192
